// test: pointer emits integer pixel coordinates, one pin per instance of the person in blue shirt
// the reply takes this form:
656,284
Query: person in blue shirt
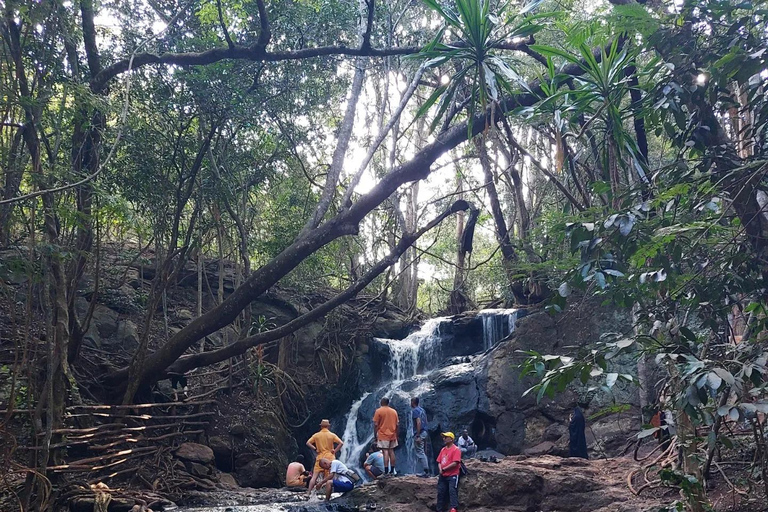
374,463
420,435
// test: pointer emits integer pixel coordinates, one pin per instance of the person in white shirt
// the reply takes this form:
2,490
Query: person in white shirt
466,445
337,479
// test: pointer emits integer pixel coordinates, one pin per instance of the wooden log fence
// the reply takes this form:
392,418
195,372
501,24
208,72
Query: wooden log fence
112,437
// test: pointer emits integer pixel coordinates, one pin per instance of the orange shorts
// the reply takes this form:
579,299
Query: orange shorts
326,455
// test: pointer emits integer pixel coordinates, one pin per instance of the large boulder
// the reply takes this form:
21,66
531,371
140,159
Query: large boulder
251,441
545,484
257,473
194,452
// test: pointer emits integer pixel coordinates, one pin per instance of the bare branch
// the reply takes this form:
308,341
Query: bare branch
228,39
265,34
347,200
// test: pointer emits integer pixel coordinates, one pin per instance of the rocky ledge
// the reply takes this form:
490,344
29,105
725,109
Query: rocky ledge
516,483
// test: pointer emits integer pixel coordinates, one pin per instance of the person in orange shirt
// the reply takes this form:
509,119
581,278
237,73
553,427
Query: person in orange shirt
385,426
326,445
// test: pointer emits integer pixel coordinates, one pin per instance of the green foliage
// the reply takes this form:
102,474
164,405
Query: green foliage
481,67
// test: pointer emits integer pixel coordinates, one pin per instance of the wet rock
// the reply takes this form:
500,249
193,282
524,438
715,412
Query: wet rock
227,481
540,449
195,452
545,484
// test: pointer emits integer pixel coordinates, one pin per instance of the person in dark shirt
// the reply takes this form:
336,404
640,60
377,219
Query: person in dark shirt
577,446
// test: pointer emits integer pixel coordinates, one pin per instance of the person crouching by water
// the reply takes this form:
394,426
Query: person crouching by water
385,427
337,479
577,443
326,445
296,474
449,466
374,462
467,445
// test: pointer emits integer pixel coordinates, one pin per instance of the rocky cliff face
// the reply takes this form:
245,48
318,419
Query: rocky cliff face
485,393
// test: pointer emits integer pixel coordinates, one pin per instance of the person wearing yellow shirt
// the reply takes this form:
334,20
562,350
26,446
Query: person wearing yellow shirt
326,445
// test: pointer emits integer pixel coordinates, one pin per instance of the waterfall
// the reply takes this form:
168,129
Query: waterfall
418,351
497,325
408,363
354,447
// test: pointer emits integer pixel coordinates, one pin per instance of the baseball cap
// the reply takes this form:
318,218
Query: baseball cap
449,434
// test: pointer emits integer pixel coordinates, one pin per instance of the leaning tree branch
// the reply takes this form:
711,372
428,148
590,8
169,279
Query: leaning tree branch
190,362
344,223
345,131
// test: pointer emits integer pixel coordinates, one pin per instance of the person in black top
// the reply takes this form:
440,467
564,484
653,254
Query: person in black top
577,446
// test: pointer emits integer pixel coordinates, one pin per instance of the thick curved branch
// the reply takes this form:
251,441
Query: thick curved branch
190,362
258,54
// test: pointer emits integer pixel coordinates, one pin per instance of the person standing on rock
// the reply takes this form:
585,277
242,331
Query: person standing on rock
577,443
337,479
326,445
467,445
294,476
420,435
385,426
449,466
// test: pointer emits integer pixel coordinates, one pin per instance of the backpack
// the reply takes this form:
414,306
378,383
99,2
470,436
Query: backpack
352,475
463,471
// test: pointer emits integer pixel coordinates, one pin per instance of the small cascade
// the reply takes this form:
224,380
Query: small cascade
417,353
354,446
497,325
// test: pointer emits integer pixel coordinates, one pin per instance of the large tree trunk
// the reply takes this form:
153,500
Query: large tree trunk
459,300
508,254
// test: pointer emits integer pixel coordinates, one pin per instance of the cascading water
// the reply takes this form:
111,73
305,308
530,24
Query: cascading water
418,351
353,445
408,363
497,325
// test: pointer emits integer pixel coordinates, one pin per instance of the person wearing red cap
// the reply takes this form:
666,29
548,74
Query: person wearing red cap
449,466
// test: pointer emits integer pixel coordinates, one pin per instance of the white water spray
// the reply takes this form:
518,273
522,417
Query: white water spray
497,325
